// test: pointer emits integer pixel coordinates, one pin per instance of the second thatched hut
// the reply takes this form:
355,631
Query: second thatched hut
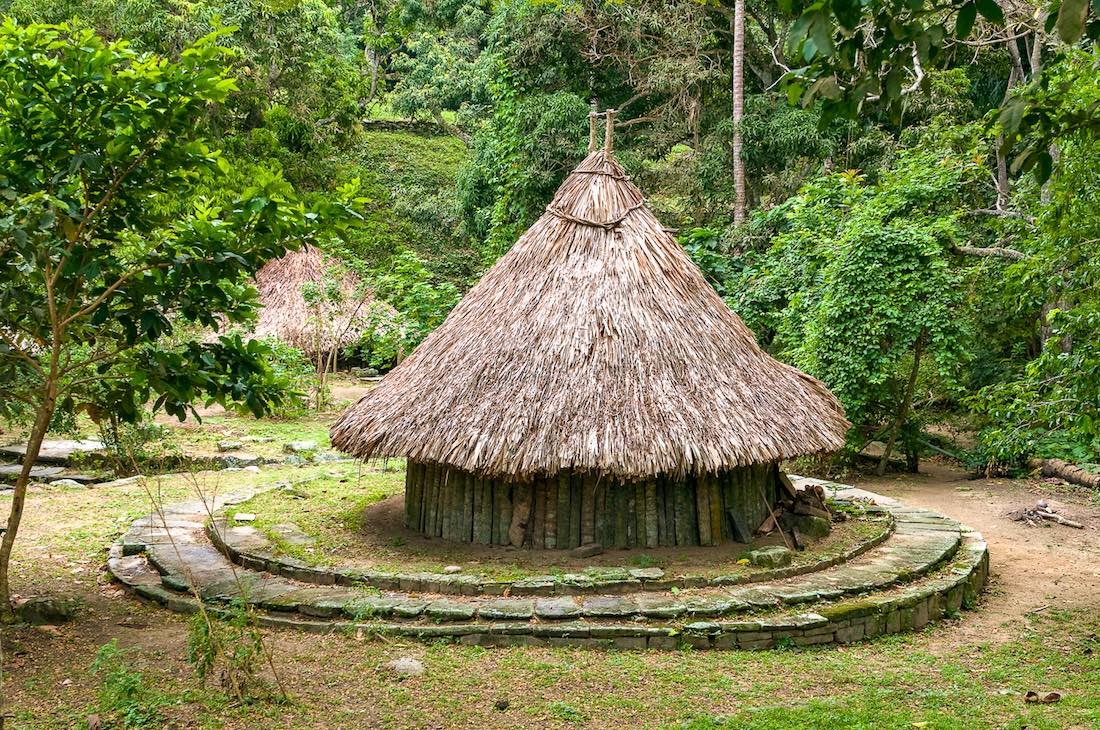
592,388
331,323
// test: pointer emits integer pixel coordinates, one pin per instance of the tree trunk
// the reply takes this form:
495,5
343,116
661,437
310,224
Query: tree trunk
19,494
738,110
903,409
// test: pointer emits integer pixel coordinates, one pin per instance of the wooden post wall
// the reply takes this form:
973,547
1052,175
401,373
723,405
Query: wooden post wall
568,510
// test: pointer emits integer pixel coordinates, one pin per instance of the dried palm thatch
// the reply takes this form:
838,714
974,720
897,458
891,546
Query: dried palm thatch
286,315
594,344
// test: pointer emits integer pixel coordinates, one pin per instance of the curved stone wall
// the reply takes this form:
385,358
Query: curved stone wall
569,510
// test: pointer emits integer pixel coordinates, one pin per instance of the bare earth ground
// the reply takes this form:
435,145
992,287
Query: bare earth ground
1036,629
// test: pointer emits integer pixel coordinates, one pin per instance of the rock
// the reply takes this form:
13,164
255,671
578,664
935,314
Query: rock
230,446
67,483
240,459
557,608
406,667
812,526
122,482
771,556
37,472
54,452
647,573
252,468
586,551
295,460
501,705
258,439
451,569
300,447
244,517
45,610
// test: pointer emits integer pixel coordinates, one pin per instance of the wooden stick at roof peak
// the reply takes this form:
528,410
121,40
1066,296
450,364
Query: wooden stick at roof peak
593,114
609,130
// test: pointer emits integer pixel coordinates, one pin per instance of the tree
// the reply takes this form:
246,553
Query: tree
860,287
738,110
861,54
105,250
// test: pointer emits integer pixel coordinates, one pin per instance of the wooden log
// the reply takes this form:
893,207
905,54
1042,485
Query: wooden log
639,515
714,487
565,512
550,489
651,525
1066,471
785,485
576,494
521,513
469,486
429,499
410,493
538,513
605,518
702,509
588,509
506,494
664,512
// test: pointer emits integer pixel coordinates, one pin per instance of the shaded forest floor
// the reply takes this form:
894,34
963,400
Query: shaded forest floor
1037,628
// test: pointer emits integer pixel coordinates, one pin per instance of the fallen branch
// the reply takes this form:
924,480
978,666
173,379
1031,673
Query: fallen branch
1035,516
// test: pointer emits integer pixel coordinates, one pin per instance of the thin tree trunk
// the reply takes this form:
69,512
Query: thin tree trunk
738,110
903,409
19,494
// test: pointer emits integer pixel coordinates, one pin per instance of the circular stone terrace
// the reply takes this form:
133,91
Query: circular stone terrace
921,567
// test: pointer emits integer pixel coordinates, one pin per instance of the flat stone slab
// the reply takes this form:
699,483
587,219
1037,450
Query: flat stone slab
54,452
39,473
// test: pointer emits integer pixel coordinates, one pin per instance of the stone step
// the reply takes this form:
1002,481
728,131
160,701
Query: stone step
904,608
929,567
922,540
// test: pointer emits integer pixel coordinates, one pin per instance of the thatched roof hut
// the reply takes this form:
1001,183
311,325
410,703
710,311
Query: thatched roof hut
593,355
286,315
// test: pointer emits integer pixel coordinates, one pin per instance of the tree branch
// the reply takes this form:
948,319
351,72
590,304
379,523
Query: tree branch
991,251
1004,214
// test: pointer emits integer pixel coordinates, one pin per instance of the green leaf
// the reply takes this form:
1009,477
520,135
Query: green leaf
991,11
1071,20
964,22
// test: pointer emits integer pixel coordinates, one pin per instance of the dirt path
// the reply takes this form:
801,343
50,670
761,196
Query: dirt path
1033,568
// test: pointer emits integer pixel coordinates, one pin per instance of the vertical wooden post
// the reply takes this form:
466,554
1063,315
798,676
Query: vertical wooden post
550,489
714,488
588,509
521,513
565,512
652,534
622,517
576,496
468,517
702,508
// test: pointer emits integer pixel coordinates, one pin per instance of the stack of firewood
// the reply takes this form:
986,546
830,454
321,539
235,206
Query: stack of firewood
1041,513
794,503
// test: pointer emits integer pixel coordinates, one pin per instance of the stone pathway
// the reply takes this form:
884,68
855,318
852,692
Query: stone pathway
930,566
53,452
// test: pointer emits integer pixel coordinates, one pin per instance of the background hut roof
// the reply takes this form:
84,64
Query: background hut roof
595,343
284,313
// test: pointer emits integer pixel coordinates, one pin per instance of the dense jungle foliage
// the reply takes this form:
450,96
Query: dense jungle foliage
923,224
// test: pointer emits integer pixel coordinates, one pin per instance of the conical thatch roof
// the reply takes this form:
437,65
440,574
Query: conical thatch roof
595,343
285,314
